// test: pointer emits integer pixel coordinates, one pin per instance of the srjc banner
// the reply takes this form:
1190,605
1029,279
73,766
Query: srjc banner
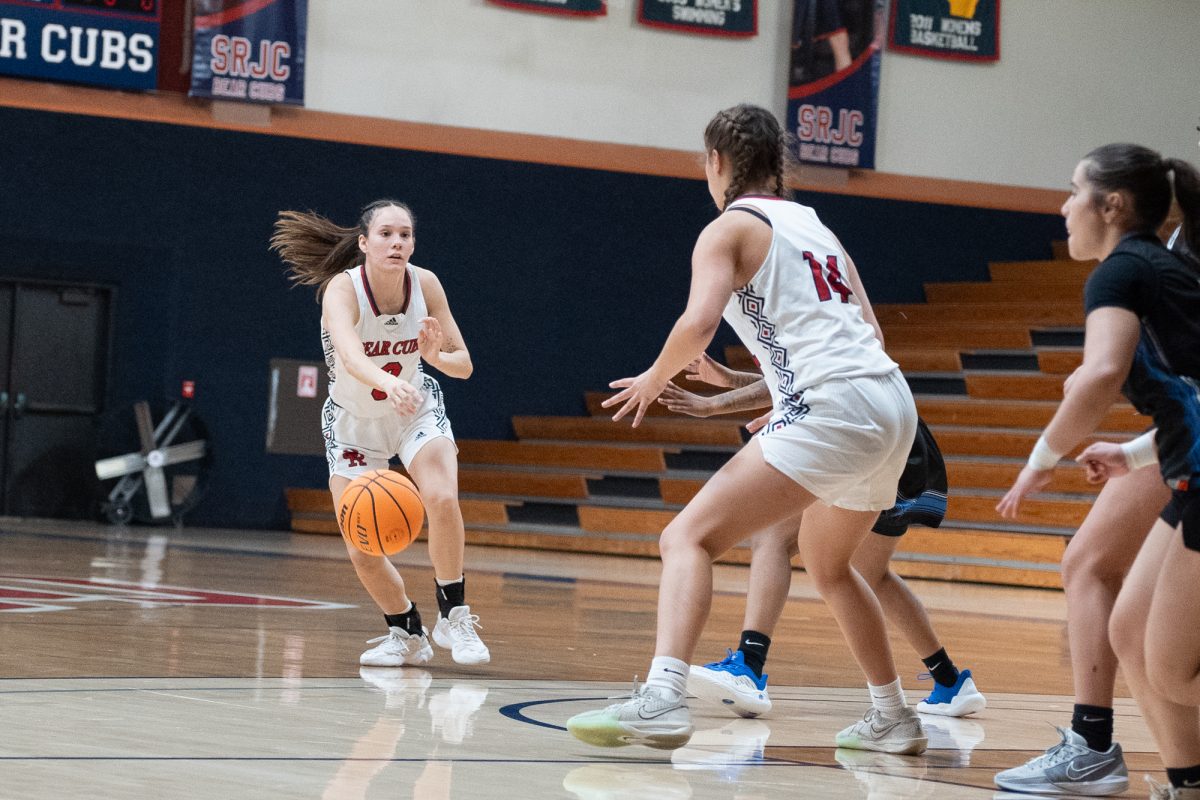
250,50
833,91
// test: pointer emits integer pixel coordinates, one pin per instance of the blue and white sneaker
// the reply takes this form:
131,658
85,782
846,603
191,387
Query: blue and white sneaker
731,684
954,701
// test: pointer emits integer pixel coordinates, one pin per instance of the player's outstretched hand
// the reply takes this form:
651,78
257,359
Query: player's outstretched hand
1029,481
1103,460
404,397
706,370
637,395
429,340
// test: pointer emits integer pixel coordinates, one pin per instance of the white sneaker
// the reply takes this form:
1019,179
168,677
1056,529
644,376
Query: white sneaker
453,712
902,735
457,634
398,648
649,717
402,687
1070,767
1160,791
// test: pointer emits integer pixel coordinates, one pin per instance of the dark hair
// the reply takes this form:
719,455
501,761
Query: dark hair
1146,176
316,250
756,145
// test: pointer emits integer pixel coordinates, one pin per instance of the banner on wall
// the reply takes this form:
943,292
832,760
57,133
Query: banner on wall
96,42
577,8
963,30
251,50
708,17
833,91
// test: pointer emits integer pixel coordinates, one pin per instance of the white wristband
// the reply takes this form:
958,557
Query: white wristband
1042,457
1140,452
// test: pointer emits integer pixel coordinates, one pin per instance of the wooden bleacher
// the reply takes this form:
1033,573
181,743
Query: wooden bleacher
986,359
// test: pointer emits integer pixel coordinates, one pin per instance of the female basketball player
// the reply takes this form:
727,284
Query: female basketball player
842,424
737,682
1142,333
379,320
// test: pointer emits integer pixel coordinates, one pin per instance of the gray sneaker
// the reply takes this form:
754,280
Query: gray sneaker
1069,767
902,735
649,717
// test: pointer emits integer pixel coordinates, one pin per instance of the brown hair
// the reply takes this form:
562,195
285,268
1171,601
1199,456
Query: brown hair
316,249
755,144
1146,176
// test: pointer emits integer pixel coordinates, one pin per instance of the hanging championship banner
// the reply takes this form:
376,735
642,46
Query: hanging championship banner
963,30
578,8
833,92
708,17
96,42
250,50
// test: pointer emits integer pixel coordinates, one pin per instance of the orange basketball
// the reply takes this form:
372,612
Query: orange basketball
381,513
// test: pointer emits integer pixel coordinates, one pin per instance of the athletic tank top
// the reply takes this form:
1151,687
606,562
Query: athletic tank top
798,315
389,340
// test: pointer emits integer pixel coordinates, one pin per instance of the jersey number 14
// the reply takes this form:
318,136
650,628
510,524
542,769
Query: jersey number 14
827,278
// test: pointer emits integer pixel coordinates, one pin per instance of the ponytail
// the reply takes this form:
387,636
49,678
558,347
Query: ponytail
316,250
1187,194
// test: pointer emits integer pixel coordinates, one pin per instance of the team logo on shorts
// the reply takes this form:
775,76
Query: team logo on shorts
355,458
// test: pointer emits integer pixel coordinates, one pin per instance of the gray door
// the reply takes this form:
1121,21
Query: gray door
54,370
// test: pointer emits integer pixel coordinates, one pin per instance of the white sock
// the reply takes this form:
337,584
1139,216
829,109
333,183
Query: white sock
668,673
889,699
441,582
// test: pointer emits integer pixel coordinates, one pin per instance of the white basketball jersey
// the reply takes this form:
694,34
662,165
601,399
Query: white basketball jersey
798,315
389,340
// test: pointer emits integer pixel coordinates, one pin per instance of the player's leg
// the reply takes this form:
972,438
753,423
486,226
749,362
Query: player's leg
829,537
954,694
715,520
434,468
737,682
1094,567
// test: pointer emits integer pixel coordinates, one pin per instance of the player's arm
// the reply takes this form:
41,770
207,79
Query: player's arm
339,315
440,341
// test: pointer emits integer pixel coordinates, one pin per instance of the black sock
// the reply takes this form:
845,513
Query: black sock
941,668
451,595
1184,777
409,621
1095,724
754,647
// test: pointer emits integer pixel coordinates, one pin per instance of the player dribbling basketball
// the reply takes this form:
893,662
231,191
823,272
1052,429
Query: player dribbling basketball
380,319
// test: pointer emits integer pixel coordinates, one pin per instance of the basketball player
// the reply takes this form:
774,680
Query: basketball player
1142,336
842,423
381,316
737,682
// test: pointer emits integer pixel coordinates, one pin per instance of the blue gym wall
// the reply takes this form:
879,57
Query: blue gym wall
561,279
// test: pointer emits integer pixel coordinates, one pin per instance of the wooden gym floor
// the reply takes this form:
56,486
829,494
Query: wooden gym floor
155,663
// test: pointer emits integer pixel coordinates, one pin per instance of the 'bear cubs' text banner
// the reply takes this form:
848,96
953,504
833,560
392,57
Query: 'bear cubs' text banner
578,8
250,50
96,42
964,30
833,90
710,17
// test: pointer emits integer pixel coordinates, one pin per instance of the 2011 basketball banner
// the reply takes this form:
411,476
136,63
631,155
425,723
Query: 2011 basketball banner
577,8
833,87
707,17
111,44
962,30
251,50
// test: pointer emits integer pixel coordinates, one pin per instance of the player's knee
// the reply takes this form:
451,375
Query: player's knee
1127,635
440,500
1083,568
828,576
677,539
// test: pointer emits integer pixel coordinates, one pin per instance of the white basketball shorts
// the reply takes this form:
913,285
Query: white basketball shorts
846,441
356,445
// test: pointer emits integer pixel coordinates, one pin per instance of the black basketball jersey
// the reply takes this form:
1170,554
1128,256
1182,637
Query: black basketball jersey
1163,290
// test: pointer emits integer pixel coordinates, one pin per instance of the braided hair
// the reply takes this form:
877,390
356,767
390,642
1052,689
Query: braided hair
756,146
1147,177
316,250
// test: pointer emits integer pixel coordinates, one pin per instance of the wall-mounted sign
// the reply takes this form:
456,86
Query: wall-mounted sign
707,17
250,50
963,30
